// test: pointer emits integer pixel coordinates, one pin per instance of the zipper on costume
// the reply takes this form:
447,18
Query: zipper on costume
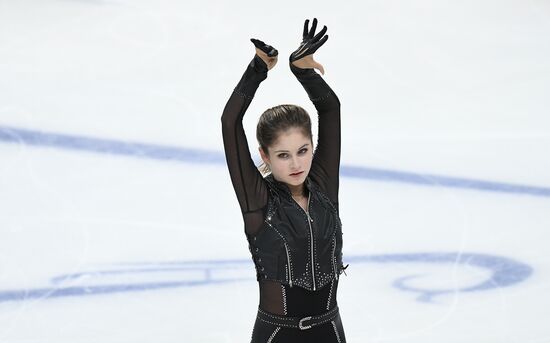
311,232
334,256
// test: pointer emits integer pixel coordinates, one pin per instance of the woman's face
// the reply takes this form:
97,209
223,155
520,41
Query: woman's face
291,153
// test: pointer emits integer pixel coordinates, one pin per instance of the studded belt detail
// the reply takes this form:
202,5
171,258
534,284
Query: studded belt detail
301,323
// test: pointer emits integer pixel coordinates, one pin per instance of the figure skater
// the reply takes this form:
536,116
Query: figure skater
290,203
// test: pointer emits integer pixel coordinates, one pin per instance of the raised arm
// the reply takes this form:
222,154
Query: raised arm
248,183
325,167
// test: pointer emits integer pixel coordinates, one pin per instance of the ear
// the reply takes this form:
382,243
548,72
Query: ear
263,155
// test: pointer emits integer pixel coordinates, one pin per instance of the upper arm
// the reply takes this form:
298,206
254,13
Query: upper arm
325,167
248,183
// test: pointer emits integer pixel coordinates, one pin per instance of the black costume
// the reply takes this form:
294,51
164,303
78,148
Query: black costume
297,254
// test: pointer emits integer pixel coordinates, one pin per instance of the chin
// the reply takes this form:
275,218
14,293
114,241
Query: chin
296,181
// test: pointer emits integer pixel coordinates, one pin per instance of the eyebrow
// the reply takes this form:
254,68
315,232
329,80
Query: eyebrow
298,148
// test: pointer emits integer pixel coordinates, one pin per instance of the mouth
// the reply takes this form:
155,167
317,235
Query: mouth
297,174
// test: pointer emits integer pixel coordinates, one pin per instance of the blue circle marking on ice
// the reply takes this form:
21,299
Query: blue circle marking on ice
145,276
504,271
193,155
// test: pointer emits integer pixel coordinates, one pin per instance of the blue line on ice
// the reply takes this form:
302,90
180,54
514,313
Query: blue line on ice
193,155
501,272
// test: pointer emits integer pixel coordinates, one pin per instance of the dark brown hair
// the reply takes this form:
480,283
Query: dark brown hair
276,120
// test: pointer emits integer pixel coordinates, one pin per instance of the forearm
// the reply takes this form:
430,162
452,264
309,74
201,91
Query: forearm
255,73
244,91
318,91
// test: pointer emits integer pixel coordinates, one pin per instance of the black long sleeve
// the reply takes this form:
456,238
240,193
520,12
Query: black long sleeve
249,185
325,167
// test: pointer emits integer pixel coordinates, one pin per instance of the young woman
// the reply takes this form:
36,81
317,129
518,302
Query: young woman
291,213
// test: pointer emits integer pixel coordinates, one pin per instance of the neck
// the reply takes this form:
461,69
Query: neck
296,191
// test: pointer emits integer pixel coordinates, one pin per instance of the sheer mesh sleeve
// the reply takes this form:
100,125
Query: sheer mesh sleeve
325,167
249,185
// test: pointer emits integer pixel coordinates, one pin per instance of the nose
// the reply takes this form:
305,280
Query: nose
294,163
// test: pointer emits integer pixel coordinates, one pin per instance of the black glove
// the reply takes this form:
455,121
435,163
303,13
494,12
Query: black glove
316,88
268,49
310,43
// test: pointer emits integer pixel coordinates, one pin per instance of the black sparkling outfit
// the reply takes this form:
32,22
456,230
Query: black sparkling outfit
297,254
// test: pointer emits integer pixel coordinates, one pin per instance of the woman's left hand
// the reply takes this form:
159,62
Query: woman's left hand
303,56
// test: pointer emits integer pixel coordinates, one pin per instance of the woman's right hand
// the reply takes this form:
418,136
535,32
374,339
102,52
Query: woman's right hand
267,53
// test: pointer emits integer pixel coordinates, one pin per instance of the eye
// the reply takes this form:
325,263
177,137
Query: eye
283,155
303,151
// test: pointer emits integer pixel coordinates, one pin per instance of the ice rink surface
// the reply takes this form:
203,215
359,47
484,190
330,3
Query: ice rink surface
118,221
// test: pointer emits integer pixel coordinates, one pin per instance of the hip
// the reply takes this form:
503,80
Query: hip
273,328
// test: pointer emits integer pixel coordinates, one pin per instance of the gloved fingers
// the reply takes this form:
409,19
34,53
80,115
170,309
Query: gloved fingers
317,45
304,34
309,47
268,49
312,30
257,43
303,56
266,53
319,35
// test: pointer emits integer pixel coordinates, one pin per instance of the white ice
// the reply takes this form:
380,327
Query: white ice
100,246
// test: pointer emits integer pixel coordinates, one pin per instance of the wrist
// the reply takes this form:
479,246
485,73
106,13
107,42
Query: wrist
255,73
259,65
301,71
